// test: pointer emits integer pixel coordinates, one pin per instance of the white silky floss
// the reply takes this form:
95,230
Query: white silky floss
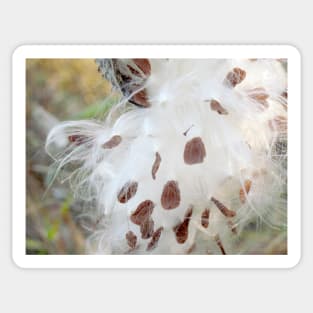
188,172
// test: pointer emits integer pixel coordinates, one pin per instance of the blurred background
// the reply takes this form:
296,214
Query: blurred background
71,89
57,90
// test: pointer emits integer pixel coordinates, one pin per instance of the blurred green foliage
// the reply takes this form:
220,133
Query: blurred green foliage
65,87
57,89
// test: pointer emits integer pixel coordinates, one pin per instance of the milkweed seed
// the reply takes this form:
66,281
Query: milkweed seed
143,212
223,208
170,198
146,228
113,142
77,139
216,106
232,227
219,243
127,191
205,218
245,190
144,65
235,77
181,230
259,95
141,99
194,151
156,164
131,239
155,239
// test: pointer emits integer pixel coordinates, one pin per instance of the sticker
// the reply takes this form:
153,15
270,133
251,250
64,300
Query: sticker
156,156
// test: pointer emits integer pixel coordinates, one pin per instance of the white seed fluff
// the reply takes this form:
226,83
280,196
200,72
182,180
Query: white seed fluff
239,141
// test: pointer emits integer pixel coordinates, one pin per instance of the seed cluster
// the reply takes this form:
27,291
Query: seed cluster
194,153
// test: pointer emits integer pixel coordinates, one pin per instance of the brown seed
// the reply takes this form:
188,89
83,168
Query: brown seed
170,198
188,213
216,106
156,164
144,65
127,191
146,228
245,190
181,230
223,208
77,139
133,71
232,227
113,142
205,218
219,243
155,239
142,213
259,95
194,151
235,77
140,98
131,239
